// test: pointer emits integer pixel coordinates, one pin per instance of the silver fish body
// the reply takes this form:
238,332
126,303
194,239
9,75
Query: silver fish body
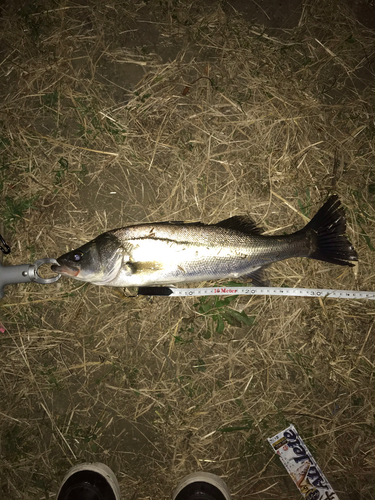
168,253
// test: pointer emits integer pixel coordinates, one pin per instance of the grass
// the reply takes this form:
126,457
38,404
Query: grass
15,210
117,114
217,309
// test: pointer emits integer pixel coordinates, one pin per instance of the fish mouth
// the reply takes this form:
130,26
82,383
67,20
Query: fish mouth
67,271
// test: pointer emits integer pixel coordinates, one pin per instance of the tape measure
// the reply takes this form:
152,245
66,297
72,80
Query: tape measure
243,290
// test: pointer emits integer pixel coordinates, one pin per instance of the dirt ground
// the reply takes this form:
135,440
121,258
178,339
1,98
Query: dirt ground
124,112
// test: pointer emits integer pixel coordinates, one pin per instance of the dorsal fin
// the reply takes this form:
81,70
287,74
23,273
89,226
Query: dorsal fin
241,223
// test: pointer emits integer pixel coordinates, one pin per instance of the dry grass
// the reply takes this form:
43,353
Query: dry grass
113,115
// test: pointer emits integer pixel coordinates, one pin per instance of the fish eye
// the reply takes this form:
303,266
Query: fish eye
77,256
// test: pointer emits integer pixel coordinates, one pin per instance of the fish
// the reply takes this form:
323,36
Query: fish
167,253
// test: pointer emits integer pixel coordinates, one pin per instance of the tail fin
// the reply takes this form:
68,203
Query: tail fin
329,226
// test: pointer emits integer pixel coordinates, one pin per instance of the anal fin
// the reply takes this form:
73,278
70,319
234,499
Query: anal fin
257,277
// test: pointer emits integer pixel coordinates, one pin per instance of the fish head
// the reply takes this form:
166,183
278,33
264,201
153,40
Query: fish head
98,261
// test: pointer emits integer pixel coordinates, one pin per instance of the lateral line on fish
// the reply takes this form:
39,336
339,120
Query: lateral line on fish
168,240
180,242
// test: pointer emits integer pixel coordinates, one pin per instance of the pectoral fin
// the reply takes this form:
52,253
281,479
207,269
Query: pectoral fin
143,267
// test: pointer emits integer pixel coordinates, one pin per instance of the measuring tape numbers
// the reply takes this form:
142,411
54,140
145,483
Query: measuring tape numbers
243,290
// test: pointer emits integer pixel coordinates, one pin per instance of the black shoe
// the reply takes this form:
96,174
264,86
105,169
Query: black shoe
202,486
89,482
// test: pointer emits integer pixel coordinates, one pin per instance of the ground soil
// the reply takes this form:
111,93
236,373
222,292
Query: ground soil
138,442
